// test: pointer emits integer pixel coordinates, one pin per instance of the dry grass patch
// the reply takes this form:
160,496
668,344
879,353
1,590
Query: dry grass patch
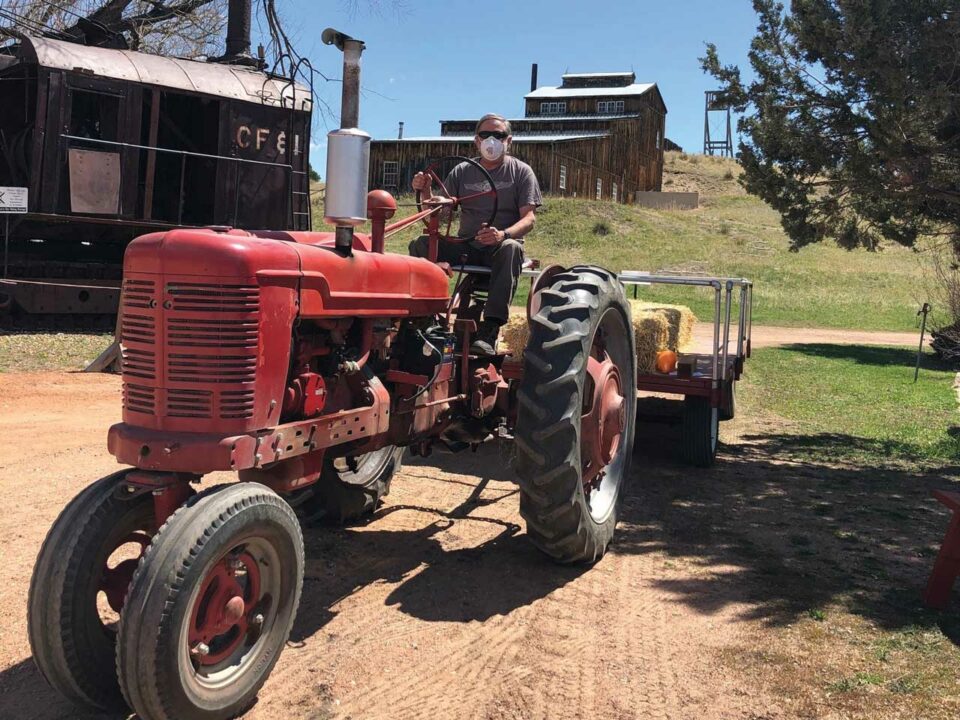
31,351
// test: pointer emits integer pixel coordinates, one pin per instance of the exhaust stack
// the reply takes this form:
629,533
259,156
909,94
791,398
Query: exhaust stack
238,34
348,149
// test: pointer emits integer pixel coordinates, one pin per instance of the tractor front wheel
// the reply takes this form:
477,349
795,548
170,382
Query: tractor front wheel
78,588
576,410
211,605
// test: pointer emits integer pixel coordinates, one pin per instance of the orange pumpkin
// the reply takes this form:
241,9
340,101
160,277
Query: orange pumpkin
666,361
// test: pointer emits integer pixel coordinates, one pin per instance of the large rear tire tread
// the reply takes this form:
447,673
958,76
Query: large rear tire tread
159,594
66,636
547,434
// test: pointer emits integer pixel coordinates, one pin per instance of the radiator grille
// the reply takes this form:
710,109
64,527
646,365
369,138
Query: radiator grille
136,328
139,398
189,403
219,349
197,297
220,369
138,293
138,363
212,333
198,359
236,403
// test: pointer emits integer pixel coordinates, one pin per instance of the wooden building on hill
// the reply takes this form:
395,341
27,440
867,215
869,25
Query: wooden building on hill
598,135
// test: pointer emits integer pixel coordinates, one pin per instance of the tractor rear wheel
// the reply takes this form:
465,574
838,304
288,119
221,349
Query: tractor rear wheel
78,588
211,605
576,410
350,489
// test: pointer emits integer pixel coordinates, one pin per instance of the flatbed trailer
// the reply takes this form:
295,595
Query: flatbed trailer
705,380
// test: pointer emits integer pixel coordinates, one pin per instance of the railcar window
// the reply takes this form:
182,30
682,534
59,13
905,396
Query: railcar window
94,115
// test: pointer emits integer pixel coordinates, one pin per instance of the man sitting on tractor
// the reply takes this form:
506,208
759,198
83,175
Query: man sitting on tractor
499,247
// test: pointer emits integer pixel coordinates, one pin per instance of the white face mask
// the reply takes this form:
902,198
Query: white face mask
491,149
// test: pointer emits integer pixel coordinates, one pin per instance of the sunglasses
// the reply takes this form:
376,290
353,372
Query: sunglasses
484,134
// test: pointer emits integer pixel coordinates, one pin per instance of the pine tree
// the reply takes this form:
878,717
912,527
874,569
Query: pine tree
851,126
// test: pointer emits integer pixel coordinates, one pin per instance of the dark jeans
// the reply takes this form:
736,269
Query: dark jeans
505,262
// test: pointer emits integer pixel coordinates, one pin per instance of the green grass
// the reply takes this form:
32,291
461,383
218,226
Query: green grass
856,403
820,286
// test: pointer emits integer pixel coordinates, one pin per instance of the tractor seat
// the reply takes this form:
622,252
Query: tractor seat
528,264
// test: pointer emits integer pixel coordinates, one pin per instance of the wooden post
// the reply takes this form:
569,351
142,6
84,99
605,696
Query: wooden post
105,360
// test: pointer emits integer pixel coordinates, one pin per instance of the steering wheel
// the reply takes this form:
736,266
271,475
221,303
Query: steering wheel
457,203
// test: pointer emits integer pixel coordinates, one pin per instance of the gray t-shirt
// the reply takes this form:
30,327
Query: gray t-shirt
516,186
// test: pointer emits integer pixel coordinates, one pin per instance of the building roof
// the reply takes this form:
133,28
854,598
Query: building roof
597,75
528,138
228,81
550,118
562,92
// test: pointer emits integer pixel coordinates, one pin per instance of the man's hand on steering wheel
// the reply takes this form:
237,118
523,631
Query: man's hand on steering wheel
422,182
489,236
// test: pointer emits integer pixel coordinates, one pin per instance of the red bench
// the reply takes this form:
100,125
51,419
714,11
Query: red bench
947,566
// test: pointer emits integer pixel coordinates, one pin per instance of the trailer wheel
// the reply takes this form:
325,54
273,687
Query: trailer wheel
211,605
344,494
699,431
576,414
728,407
78,587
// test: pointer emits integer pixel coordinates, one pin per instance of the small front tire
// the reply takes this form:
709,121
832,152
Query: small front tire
211,605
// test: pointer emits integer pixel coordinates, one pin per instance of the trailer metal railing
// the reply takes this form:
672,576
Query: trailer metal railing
723,288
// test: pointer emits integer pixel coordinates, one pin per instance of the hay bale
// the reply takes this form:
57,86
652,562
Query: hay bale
680,317
656,327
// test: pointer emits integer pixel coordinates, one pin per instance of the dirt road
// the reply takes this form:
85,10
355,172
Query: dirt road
771,336
438,608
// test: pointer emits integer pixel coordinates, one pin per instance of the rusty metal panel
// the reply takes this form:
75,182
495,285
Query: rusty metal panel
94,182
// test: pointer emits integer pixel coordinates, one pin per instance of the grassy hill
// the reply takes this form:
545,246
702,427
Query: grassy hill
731,234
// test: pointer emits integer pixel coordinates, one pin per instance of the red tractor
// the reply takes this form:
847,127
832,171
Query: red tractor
306,363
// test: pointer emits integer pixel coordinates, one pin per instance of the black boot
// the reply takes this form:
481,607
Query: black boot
485,341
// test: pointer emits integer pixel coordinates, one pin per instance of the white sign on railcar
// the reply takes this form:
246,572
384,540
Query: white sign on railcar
13,200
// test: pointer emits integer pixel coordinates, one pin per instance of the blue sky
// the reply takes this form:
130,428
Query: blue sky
431,60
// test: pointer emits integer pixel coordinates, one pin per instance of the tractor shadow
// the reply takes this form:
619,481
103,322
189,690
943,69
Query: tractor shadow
494,574
25,695
791,536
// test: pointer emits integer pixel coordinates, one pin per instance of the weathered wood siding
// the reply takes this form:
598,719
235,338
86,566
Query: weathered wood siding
629,156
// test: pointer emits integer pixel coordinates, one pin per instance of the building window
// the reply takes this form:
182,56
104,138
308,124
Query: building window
658,139
599,188
391,173
553,108
613,193
610,106
563,177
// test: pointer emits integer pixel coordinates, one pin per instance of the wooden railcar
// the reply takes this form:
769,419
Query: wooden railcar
113,144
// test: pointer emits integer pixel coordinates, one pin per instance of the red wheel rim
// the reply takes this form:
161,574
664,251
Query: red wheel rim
224,608
115,580
603,423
